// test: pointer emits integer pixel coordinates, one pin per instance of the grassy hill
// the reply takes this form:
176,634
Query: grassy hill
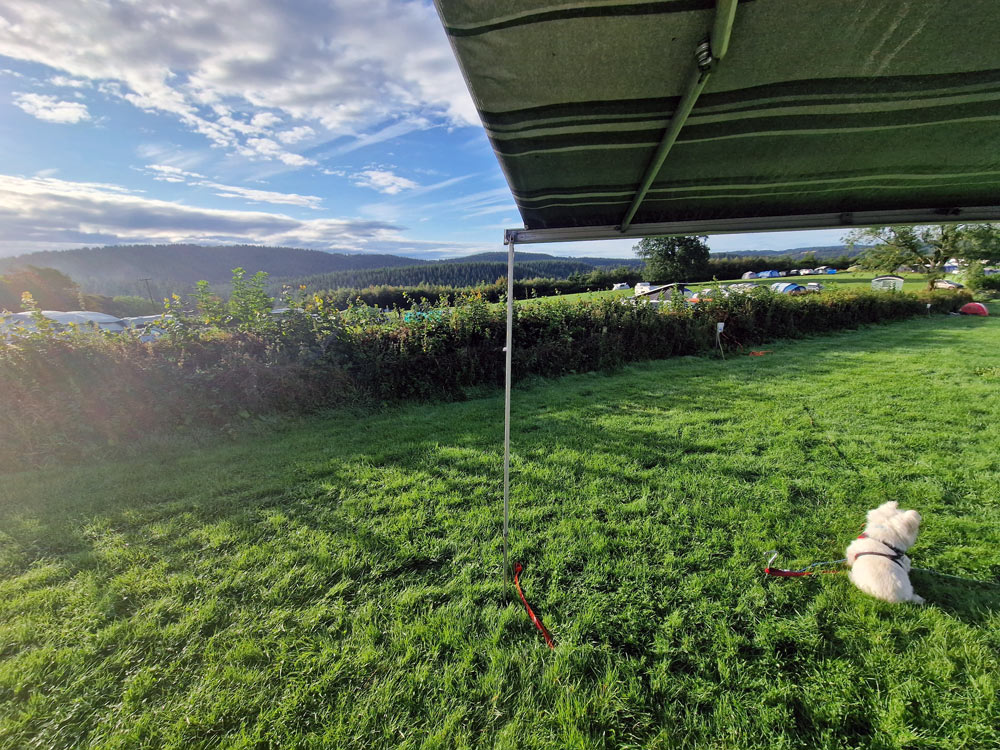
342,586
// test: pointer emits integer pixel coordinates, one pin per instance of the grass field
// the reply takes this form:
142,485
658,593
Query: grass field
337,582
831,282
842,281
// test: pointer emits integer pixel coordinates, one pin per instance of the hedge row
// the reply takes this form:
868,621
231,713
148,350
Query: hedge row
88,393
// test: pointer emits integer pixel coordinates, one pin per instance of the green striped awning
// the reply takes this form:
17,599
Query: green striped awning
841,109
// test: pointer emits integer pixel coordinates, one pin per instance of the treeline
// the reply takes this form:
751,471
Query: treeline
733,267
584,276
388,296
438,274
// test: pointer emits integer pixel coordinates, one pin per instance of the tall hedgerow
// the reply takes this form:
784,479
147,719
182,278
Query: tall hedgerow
219,366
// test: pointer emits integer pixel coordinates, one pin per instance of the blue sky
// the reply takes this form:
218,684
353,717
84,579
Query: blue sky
342,126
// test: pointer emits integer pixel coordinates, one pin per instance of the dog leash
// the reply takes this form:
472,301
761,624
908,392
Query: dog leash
534,618
806,571
895,557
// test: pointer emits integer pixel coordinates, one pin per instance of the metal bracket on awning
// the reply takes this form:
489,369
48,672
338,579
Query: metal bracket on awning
707,56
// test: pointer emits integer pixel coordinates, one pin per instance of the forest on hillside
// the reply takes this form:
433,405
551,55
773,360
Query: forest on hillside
121,269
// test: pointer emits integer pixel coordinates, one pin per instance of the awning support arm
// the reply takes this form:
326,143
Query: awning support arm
707,54
506,404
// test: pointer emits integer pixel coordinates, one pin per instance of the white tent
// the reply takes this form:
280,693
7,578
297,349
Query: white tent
62,320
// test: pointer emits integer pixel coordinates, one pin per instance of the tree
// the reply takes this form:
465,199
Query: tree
926,249
51,289
670,259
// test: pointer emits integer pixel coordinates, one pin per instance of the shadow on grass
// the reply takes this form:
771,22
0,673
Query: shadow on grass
969,600
545,418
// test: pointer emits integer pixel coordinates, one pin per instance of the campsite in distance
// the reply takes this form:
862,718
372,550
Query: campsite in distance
335,411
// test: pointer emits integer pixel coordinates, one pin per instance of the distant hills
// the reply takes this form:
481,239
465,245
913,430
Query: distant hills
118,269
122,269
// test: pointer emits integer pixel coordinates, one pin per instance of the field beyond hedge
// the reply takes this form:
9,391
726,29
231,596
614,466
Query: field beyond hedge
336,582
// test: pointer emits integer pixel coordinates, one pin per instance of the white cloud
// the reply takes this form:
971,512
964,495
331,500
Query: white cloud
67,82
268,149
383,180
52,212
51,109
264,120
232,69
295,135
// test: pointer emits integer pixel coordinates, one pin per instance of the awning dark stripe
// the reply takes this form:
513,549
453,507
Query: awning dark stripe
690,187
848,89
656,196
755,127
820,101
598,11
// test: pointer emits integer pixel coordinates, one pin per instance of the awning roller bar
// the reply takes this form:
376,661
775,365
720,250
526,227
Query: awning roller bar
968,214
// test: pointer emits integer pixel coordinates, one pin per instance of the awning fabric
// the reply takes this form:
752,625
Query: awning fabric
819,106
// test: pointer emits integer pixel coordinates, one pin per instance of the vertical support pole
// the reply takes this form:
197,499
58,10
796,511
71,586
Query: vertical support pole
506,407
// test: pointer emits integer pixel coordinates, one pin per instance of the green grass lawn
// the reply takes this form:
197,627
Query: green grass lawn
337,583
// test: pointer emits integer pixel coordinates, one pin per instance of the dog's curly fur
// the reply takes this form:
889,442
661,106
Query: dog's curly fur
880,576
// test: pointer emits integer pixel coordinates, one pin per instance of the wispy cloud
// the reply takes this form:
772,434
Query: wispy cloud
169,173
47,210
249,75
264,196
51,108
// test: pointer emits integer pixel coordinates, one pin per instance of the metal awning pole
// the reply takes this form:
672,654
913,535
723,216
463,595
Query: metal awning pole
506,406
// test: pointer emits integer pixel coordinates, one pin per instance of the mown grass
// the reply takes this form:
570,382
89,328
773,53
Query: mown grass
337,583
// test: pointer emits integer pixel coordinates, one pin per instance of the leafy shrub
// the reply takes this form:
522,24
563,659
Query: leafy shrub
90,391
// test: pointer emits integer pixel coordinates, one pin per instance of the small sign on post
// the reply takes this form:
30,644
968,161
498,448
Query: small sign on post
718,337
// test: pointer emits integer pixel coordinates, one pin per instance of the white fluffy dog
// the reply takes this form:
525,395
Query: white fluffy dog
879,565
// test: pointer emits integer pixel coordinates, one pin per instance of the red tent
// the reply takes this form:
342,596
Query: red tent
974,308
